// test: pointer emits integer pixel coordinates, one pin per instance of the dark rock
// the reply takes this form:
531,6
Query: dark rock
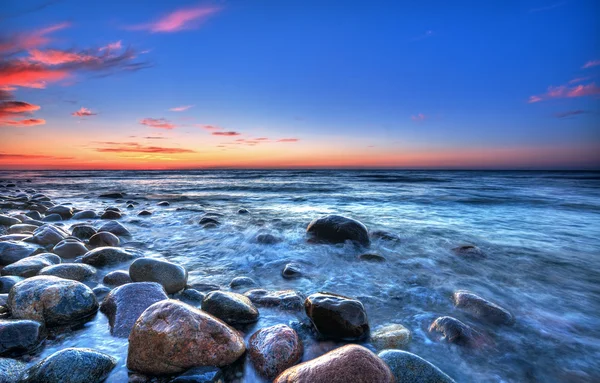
204,374
469,251
13,251
481,308
452,330
411,368
124,305
85,214
7,282
190,296
208,220
18,337
6,220
274,349
116,228
49,235
30,266
291,271
239,282
112,208
65,212
54,217
337,317
370,257
117,278
72,365
171,276
391,336
112,195
51,300
73,271
171,337
69,249
337,229
284,299
83,231
104,256
230,307
11,370
145,212
110,214
21,228
267,239
101,291
350,363
103,239
15,237
34,215
163,203
384,235
243,211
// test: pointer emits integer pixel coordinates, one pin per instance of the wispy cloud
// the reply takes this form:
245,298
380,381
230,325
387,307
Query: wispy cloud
159,123
565,91
112,46
548,7
17,156
10,111
207,127
178,20
288,140
133,147
579,79
27,122
18,73
83,112
180,108
418,117
591,64
29,40
155,138
569,113
229,133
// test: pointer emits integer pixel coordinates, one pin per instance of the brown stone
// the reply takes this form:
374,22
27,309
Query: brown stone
274,349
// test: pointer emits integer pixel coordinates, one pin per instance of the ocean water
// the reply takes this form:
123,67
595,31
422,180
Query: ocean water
540,232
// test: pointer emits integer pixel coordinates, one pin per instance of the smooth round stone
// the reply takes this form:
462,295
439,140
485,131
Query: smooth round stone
85,214
243,211
110,214
411,368
49,235
69,249
351,363
7,282
230,307
274,349
337,317
112,208
104,256
267,239
239,282
80,365
21,228
209,221
292,271
18,337
52,301
338,229
390,336
33,222
171,337
101,291
205,374
83,231
171,276
15,237
52,218
283,299
117,278
34,215
190,296
371,257
144,213
104,238
31,266
73,271
116,228
6,220
163,203
11,370
481,308
65,212
13,251
452,330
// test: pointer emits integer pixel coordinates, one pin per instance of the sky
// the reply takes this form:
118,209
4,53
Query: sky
299,84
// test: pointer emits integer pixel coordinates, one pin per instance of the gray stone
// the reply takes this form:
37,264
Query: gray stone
337,317
411,368
69,249
11,370
239,282
31,266
73,271
18,337
7,282
116,228
171,276
49,235
117,278
283,299
64,211
6,220
85,214
481,308
337,229
13,251
104,256
22,228
83,231
204,374
103,239
230,307
52,218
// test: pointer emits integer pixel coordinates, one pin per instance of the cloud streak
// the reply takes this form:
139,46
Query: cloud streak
569,113
178,20
28,40
180,108
159,123
565,91
591,64
132,147
229,133
83,112
21,123
17,156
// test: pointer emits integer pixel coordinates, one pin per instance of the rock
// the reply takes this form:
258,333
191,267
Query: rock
11,370
65,212
7,282
124,305
13,251
85,214
144,212
52,218
390,336
15,237
110,214
469,251
18,337
337,229
51,300
34,215
411,368
101,291
230,307
171,276
267,239
454,331
384,235
205,374
190,296
112,195
130,206
73,271
481,308
337,317
350,363
6,220
243,211
208,221
116,228
21,228
239,282
171,337
72,365
112,208
284,299
103,239
49,235
291,271
83,231
274,349
104,256
117,278
30,266
69,249
369,257
163,203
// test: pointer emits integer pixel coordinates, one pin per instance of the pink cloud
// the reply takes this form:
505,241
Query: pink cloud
181,19
159,123
180,108
16,107
230,133
83,112
591,64
29,75
418,117
29,40
27,122
564,91
579,79
533,99
111,46
207,127
57,57
288,140
569,113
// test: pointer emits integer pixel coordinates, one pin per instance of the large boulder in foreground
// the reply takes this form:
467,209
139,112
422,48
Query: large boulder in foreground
337,317
410,368
171,337
72,365
274,349
19,336
52,301
351,363
124,305
231,308
13,251
337,229
482,308
65,212
171,276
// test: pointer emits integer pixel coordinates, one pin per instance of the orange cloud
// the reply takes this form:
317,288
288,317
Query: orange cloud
57,57
181,108
132,147
23,41
565,91
29,75
16,156
83,112
591,64
230,133
418,117
178,20
28,122
159,123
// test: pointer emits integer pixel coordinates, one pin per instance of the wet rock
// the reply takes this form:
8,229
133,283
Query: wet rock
101,291
83,231
171,276
15,237
65,212
85,214
30,266
116,228
384,235
144,213
72,365
124,305
7,282
291,271
6,220
52,218
337,229
274,349
130,206
204,374
351,363
112,208
469,251
371,257
163,203
481,308
411,368
337,317
104,256
267,239
69,249
171,337
117,278
190,296
73,271
110,214
283,299
11,370
230,307
239,282
103,239
18,337
51,300
34,215
115,195
243,211
452,330
204,221
390,336
49,235
13,251
21,228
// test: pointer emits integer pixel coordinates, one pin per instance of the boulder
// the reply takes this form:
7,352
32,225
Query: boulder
52,218
73,271
239,282
110,214
481,308
117,278
230,307
103,256
22,228
390,336
65,212
34,215
83,231
411,368
163,203
171,337
171,276
85,214
144,213
30,266
452,330
13,251
6,220
49,235
351,363
384,235
469,251
337,229
337,317
190,296
18,337
267,239
7,282
243,211
52,301
69,248
103,239
283,299
124,305
274,349
116,228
